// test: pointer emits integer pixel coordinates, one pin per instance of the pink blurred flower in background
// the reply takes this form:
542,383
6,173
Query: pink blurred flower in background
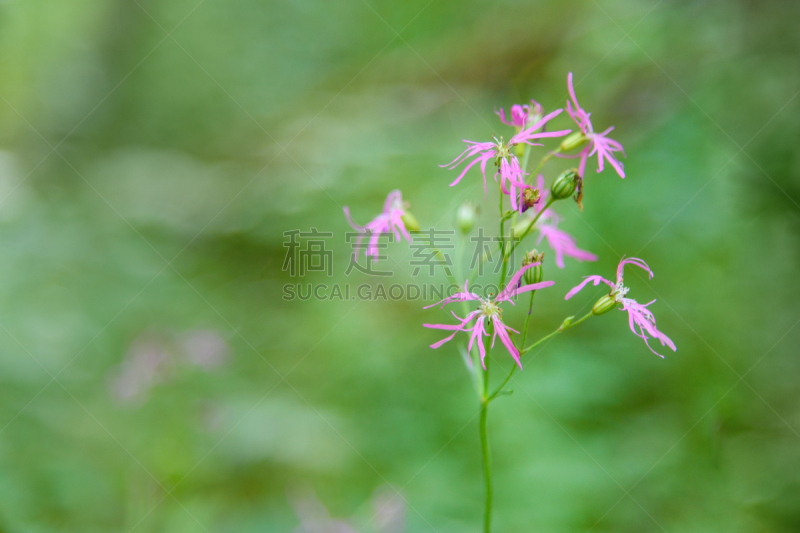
599,143
390,220
511,175
205,348
488,311
641,320
149,361
387,515
314,517
389,510
154,358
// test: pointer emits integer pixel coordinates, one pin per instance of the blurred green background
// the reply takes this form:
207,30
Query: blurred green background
152,377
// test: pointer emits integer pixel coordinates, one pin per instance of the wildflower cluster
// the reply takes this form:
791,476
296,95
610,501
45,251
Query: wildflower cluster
531,212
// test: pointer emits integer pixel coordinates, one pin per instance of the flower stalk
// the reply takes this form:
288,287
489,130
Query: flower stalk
486,454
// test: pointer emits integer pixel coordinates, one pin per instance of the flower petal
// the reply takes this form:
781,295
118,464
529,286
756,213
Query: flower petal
596,280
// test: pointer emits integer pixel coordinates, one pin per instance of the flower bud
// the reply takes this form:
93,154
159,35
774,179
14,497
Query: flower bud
520,149
565,184
530,197
573,141
409,221
604,305
534,274
465,217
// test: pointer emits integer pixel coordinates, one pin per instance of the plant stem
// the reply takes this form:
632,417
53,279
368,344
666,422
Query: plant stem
527,319
547,204
502,221
545,159
507,256
486,398
561,329
485,452
525,158
487,468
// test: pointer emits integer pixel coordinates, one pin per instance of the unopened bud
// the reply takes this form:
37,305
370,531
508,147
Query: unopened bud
604,305
465,217
566,324
579,192
565,184
530,197
520,149
409,221
533,274
573,141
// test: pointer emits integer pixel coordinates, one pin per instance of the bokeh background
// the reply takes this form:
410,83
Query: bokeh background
153,378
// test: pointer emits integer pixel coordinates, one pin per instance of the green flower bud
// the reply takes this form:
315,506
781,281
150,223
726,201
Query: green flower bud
520,149
604,305
565,184
466,216
566,324
410,222
534,274
573,141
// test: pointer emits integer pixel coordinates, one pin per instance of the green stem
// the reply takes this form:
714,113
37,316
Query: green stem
503,272
525,158
547,204
485,451
545,159
524,337
487,468
502,221
485,397
561,329
507,256
527,319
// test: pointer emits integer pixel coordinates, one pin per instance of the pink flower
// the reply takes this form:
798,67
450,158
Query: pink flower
638,315
488,311
511,175
599,143
314,517
563,244
521,114
390,220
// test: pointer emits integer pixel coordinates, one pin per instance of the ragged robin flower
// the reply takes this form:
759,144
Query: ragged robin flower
595,143
641,320
521,115
503,155
394,218
488,311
